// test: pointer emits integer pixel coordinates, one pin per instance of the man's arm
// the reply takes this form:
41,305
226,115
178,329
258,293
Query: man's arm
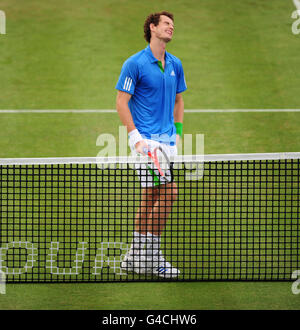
126,118
178,112
123,110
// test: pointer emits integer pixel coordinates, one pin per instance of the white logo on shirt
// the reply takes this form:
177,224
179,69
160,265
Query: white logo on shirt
172,73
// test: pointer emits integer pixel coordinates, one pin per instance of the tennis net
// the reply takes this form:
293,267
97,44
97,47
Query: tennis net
230,217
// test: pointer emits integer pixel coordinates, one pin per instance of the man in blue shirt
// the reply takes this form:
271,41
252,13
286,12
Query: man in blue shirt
150,105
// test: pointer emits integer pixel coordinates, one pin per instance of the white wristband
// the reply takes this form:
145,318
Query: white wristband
134,138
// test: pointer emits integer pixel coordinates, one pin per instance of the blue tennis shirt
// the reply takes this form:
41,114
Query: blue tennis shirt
153,93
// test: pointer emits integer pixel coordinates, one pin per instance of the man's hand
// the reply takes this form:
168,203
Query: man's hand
140,146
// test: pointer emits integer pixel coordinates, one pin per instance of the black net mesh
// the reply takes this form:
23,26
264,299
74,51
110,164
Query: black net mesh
229,220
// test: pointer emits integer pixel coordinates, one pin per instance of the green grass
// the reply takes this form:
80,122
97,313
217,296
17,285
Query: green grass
68,54
223,133
177,296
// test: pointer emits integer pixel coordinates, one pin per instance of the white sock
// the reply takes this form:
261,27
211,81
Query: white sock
153,244
138,243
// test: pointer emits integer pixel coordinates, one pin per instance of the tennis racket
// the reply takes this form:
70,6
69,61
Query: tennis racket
161,163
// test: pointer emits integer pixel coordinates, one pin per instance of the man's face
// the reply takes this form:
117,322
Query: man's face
164,30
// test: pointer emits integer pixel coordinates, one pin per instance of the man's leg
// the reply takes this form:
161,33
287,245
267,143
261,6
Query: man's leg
148,200
151,218
155,208
156,205
157,220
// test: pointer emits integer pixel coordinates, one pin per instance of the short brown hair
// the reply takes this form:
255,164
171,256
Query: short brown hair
154,18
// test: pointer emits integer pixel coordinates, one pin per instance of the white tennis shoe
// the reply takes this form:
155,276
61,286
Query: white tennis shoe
145,257
156,265
163,268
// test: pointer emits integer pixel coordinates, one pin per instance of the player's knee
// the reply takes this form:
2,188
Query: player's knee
169,192
150,196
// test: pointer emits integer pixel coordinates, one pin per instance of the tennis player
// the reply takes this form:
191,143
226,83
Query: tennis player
150,105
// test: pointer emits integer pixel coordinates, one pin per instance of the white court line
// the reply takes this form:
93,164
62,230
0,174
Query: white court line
239,110
115,111
60,111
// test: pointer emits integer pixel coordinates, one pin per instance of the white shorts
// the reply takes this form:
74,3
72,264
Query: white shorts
147,173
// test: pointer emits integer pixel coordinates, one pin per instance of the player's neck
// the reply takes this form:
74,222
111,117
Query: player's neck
158,48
